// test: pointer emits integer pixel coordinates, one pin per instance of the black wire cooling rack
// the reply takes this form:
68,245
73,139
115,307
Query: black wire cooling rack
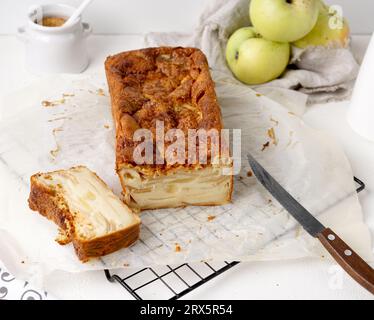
173,282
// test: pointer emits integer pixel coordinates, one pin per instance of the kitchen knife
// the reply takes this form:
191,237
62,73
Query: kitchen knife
351,262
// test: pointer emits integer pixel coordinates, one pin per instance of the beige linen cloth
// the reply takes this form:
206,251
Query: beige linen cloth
322,74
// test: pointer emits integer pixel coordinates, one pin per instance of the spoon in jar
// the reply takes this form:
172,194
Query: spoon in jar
77,12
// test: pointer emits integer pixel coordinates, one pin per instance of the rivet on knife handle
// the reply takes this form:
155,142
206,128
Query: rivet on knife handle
350,261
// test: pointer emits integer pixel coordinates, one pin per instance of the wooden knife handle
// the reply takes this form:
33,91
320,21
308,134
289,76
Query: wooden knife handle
350,261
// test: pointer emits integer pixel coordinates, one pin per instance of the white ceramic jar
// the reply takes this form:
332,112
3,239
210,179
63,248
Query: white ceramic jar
55,49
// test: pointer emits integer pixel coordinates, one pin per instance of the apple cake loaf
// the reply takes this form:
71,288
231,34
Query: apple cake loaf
88,213
172,87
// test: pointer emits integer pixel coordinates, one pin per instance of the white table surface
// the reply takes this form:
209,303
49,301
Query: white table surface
301,279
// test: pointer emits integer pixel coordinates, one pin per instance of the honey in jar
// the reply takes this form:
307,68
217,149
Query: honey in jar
53,21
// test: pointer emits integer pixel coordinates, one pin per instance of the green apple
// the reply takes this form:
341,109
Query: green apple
284,20
255,60
331,30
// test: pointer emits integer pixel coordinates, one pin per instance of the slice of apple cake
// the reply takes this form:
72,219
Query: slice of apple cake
88,213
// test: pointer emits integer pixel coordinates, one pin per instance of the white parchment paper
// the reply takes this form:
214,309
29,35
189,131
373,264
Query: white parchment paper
78,130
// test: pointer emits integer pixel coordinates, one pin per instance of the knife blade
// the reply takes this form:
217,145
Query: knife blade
303,216
349,260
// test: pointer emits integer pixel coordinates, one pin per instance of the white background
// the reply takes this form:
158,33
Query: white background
141,16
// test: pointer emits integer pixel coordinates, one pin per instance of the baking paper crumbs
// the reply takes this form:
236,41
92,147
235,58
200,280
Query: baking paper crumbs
271,134
55,152
275,121
178,248
100,92
266,145
211,218
47,104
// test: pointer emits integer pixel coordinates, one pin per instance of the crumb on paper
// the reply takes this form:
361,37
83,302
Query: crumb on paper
258,95
211,218
276,122
100,92
55,130
60,118
266,145
270,201
23,262
66,95
291,113
47,104
126,265
271,134
241,178
178,248
106,126
249,173
54,153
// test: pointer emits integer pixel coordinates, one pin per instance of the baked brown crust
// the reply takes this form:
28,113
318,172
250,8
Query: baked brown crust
50,204
172,85
110,243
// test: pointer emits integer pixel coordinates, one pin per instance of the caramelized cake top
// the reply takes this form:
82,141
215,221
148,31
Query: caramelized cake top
166,84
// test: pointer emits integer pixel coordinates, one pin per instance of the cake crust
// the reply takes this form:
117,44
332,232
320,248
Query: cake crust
172,85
